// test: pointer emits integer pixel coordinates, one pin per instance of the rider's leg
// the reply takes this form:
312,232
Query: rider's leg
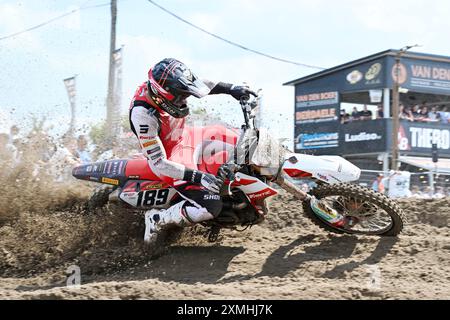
198,205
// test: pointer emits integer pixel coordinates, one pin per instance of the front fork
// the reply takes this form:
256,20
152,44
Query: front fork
290,187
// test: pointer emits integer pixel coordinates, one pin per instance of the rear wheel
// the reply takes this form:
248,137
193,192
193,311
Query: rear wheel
366,212
99,197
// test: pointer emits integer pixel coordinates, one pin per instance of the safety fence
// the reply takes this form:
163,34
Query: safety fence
422,184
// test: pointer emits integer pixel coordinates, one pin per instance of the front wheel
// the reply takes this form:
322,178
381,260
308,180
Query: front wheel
366,212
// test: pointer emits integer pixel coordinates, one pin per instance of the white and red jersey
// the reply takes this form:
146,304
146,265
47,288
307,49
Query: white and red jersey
170,129
167,143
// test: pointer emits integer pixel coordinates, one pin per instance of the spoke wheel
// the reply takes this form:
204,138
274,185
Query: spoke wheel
365,211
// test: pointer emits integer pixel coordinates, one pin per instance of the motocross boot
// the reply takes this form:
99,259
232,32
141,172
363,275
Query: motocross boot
157,219
327,213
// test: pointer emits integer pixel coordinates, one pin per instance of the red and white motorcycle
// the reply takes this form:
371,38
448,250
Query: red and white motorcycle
256,165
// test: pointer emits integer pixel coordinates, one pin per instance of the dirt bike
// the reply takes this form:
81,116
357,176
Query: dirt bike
252,172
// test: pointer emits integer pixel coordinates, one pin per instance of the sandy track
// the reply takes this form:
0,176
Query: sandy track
287,257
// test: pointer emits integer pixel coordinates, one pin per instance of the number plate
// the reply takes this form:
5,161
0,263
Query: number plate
149,198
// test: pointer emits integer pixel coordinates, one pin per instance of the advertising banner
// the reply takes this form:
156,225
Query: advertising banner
421,75
363,137
317,107
317,99
418,138
372,136
365,76
70,84
317,138
325,90
317,114
358,137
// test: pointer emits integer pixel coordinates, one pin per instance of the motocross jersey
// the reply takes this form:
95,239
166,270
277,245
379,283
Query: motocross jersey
158,133
161,135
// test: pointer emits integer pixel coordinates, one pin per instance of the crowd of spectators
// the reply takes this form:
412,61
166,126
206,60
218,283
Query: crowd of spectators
417,113
423,113
56,156
360,115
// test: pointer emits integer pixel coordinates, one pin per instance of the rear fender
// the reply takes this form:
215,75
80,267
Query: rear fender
329,169
111,172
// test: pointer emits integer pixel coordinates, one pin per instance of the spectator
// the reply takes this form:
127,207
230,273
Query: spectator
64,159
13,135
355,114
380,112
439,192
416,113
405,113
445,115
82,151
423,114
345,117
366,114
378,185
433,115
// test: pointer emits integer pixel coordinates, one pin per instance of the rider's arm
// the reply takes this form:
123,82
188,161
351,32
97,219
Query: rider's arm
227,88
153,148
218,88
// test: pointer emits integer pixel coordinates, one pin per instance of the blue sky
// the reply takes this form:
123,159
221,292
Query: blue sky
320,32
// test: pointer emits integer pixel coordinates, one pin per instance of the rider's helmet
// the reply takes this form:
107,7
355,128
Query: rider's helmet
171,83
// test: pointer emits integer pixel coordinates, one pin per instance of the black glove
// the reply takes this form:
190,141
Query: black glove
240,92
209,181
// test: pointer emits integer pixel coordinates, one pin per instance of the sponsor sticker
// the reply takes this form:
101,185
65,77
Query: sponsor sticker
144,128
152,186
263,194
362,136
317,140
373,71
354,77
150,143
110,181
130,194
317,99
399,74
157,156
319,115
211,197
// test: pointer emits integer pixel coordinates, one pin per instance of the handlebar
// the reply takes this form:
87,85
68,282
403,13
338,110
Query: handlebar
247,107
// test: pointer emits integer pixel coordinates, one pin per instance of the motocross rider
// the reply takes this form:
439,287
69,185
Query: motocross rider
157,117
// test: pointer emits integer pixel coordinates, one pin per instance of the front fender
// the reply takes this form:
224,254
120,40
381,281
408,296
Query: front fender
329,169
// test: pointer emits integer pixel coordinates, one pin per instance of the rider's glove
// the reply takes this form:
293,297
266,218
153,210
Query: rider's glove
209,181
240,92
